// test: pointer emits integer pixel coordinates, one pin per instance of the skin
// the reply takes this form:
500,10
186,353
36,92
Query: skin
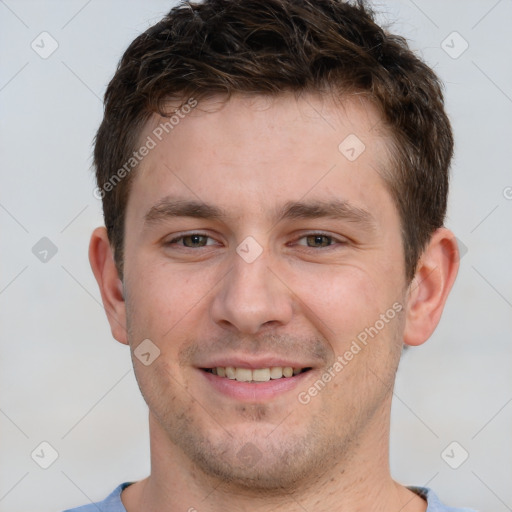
306,298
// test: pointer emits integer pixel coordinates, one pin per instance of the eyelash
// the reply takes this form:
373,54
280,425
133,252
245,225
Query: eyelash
181,237
313,234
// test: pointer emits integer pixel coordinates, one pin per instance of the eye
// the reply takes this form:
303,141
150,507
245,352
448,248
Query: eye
318,240
193,240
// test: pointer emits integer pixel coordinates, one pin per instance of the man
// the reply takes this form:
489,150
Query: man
274,178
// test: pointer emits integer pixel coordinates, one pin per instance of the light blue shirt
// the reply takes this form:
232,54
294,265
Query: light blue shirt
112,503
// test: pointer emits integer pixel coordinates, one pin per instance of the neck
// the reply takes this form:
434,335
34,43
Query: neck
359,482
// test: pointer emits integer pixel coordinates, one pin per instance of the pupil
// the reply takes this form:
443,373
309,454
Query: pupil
194,240
321,240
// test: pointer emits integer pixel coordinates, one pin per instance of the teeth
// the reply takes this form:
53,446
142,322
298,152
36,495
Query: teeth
243,374
257,375
287,371
261,375
276,372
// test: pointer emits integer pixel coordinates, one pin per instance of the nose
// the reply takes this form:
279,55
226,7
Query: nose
252,297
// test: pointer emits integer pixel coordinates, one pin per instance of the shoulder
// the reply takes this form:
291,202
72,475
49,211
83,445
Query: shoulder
112,503
433,502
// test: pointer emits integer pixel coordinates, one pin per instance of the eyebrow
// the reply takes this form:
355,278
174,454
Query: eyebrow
168,208
335,209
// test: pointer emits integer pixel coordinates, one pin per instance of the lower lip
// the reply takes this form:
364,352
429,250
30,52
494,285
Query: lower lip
254,391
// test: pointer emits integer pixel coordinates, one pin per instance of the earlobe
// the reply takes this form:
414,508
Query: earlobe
104,268
428,291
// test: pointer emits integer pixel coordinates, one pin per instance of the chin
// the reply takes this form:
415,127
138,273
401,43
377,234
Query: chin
257,470
257,462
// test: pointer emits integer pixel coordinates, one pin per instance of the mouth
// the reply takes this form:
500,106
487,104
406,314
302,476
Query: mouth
256,375
260,378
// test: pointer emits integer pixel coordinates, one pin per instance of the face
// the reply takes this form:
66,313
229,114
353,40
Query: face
264,262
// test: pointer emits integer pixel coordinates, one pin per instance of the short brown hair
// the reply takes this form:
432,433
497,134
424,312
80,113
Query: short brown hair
266,47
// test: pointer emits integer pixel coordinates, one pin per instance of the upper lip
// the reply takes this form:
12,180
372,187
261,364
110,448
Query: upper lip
254,363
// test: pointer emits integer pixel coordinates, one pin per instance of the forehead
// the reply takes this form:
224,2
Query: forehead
251,119
256,150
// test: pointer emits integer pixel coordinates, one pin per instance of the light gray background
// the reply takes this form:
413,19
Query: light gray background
64,380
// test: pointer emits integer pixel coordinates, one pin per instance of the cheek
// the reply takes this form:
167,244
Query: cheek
340,300
160,294
353,310
160,305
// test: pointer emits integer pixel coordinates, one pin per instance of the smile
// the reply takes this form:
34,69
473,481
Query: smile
257,374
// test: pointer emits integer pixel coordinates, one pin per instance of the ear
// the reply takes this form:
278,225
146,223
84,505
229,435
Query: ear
103,266
435,274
